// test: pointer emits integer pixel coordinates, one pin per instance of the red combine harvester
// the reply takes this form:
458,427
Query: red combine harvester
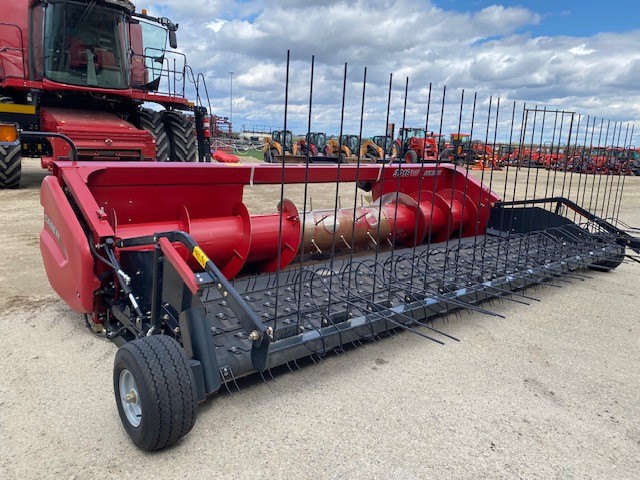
82,70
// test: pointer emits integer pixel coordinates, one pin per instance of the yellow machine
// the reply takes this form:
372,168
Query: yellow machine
278,145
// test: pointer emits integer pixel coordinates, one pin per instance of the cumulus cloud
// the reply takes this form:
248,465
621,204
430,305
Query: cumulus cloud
488,51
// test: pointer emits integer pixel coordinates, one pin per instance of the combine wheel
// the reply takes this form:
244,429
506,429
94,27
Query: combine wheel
10,160
10,166
411,156
182,137
151,121
155,391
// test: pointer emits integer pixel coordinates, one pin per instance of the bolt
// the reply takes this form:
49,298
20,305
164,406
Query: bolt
131,397
254,336
176,330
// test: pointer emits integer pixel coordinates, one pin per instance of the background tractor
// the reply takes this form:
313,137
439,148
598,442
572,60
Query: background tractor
280,144
415,145
385,142
316,144
460,150
347,149
85,70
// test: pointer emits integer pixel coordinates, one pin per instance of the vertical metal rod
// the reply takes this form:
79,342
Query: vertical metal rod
606,140
421,183
337,192
555,170
384,166
617,214
572,151
306,191
395,214
282,178
435,177
355,188
621,172
614,165
593,184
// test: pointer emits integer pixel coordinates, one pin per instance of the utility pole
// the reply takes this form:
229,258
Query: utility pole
231,102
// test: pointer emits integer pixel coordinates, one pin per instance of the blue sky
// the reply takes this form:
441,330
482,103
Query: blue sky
566,17
578,56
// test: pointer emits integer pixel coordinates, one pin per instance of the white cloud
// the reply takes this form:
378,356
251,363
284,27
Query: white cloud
488,51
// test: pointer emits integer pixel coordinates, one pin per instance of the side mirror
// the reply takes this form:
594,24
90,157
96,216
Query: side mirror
173,41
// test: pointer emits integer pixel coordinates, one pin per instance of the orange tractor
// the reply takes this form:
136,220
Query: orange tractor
415,145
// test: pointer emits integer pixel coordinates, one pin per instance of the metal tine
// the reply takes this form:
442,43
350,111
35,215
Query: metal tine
438,296
328,317
481,287
433,293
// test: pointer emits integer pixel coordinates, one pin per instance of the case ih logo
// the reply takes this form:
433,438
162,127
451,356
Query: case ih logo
53,228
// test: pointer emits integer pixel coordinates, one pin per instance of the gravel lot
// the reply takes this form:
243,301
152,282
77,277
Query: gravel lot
550,391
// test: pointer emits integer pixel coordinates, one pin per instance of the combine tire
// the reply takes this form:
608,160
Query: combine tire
10,166
411,156
152,122
155,391
182,137
10,160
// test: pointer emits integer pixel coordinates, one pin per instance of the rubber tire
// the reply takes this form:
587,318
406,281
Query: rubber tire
183,145
411,156
166,387
152,122
271,155
10,166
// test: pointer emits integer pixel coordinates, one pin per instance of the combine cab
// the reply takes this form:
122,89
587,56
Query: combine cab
82,71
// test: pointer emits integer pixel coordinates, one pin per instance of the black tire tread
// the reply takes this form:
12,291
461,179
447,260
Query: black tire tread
10,166
182,137
411,156
151,121
168,378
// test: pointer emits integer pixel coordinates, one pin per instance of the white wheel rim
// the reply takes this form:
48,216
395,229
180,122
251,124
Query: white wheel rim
130,398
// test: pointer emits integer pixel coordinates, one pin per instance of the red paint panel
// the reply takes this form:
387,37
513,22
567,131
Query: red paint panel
67,258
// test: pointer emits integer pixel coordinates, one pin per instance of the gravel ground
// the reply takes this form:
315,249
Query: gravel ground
550,391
